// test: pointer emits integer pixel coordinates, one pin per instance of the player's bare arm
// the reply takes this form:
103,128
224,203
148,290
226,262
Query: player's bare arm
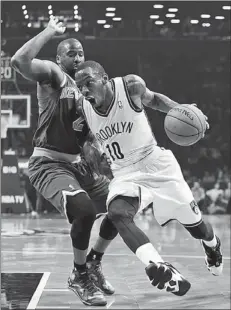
141,95
26,64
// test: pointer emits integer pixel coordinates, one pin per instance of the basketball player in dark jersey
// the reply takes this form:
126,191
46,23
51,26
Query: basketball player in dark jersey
56,168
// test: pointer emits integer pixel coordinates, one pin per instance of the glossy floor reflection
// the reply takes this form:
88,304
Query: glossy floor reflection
43,245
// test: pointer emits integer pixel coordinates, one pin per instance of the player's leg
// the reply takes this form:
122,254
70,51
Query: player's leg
57,183
180,204
97,187
211,244
121,212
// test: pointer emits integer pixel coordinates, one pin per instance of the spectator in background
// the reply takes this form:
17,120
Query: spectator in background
208,180
198,194
215,192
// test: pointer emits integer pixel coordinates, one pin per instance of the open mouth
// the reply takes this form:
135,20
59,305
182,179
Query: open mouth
91,99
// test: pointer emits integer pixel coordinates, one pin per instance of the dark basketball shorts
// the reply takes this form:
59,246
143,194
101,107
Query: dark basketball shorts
55,180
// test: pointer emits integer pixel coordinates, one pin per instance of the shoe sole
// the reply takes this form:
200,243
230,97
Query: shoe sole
215,271
86,302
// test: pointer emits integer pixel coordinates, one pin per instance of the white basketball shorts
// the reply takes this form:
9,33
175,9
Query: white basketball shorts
158,179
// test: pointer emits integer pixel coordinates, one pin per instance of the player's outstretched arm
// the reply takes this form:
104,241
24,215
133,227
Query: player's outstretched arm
141,95
26,64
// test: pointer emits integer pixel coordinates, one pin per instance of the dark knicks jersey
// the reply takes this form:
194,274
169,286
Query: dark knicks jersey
57,112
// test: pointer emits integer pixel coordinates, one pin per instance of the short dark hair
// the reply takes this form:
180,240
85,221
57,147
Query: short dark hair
63,43
95,66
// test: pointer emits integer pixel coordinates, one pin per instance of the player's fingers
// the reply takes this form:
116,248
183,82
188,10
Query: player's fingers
60,24
207,125
194,104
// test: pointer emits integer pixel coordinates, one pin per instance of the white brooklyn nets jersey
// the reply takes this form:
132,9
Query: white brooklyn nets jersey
123,132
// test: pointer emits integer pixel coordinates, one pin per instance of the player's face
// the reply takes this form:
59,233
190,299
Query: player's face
91,86
72,56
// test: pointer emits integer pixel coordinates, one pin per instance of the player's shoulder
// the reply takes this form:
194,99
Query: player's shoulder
135,84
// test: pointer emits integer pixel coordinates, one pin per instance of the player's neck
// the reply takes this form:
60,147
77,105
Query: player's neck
109,94
71,74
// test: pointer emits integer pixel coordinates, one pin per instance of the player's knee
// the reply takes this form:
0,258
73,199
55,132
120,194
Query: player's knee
108,231
81,207
120,210
201,231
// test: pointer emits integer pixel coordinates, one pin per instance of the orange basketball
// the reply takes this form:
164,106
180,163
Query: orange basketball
185,124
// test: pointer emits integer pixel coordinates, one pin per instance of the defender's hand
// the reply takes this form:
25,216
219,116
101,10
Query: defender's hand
56,26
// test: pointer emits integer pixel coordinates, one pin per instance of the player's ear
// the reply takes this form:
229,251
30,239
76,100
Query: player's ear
105,78
58,59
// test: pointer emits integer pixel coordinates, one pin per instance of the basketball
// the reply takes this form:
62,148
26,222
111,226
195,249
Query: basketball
185,124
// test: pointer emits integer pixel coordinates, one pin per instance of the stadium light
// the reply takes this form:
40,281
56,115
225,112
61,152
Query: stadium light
175,21
194,21
77,29
25,12
159,22
206,25
26,16
110,9
50,12
110,14
51,16
24,7
205,16
226,7
75,7
158,6
219,17
76,12
170,15
107,26
154,16
173,10
29,25
49,7
117,19
101,21
76,17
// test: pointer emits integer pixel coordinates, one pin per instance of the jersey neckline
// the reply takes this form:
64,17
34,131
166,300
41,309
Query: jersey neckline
111,104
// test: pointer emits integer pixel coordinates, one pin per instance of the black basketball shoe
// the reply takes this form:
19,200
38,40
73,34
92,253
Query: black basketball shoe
165,276
213,259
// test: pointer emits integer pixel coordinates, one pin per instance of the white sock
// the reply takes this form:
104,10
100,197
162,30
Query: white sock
147,253
212,243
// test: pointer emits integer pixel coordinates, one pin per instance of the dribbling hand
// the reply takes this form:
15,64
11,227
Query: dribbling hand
56,26
206,120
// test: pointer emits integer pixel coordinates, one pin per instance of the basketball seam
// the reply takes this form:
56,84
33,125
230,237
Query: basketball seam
183,121
197,117
183,135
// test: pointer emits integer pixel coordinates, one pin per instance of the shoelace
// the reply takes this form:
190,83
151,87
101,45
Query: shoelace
87,284
99,273
214,255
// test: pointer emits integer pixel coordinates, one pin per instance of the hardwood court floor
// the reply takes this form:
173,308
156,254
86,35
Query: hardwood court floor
43,246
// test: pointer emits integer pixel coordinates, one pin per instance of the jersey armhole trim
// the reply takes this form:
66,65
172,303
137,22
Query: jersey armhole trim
131,103
63,81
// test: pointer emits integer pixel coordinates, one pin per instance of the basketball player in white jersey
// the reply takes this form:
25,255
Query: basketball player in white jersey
142,171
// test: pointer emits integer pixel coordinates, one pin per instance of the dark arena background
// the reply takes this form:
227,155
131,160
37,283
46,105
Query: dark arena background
181,49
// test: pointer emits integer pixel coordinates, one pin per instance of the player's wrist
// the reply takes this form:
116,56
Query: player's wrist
49,31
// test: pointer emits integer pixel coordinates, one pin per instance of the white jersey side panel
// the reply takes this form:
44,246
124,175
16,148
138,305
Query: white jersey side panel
124,132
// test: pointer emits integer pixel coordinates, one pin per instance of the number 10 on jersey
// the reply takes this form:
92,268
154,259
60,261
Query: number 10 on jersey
115,151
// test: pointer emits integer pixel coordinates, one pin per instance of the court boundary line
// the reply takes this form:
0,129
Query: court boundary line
106,254
38,292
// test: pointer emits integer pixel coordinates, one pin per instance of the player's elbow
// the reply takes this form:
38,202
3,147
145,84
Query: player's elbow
16,62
